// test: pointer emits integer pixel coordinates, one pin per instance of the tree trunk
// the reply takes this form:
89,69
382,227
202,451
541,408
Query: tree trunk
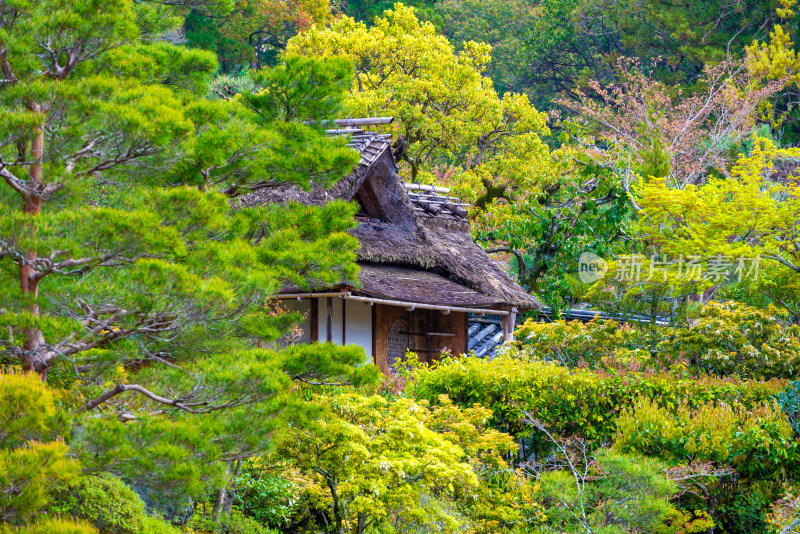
362,523
338,515
228,504
33,339
218,504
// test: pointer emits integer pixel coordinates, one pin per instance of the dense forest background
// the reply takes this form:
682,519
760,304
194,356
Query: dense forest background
579,63
149,383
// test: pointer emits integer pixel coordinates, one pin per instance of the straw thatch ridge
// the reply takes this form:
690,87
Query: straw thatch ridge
413,285
396,231
452,254
345,188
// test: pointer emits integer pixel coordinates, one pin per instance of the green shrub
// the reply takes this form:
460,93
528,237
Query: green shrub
234,522
725,339
572,343
109,504
576,402
155,525
266,497
729,338
33,460
51,526
756,441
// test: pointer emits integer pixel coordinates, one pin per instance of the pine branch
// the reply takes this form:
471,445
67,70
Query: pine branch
190,407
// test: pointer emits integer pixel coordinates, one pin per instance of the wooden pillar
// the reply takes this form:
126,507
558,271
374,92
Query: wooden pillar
330,320
428,341
314,320
465,333
374,334
344,321
509,322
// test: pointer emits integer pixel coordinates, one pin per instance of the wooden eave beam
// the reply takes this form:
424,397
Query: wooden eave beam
400,303
364,121
298,296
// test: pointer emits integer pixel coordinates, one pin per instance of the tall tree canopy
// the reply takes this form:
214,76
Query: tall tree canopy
126,275
549,47
453,127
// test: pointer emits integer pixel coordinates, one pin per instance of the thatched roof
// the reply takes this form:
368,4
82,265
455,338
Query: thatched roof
403,231
448,252
414,285
373,148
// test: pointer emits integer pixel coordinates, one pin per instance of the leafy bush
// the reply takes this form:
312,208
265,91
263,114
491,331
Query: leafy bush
572,402
572,343
266,497
109,504
726,339
33,460
155,525
750,448
683,522
730,338
234,522
51,526
756,440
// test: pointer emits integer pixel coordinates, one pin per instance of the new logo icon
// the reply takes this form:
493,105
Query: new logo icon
591,268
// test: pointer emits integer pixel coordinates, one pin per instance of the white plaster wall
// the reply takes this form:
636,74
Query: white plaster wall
358,316
337,318
359,326
336,330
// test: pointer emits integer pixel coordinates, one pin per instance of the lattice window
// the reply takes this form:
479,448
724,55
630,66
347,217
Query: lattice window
399,342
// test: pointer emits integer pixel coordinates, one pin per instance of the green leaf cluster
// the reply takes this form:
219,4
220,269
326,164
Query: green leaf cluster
578,401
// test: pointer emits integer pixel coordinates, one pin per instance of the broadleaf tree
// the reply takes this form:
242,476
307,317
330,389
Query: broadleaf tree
452,127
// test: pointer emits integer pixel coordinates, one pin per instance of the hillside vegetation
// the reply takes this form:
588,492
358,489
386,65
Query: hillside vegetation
640,159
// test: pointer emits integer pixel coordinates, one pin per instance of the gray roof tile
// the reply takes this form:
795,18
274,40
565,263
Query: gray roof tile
484,338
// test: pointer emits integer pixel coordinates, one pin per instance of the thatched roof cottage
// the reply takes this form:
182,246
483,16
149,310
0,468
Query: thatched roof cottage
422,276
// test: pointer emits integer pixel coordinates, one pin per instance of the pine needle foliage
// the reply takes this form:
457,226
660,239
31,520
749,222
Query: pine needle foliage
129,274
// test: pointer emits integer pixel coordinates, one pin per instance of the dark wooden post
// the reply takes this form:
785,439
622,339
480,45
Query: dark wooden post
314,320
429,356
330,319
344,321
374,333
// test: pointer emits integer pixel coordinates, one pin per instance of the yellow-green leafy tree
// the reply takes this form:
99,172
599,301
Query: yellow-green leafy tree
776,58
451,126
396,463
753,213
380,464
447,114
449,120
33,458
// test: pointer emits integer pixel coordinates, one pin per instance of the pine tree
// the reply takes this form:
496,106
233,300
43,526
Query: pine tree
125,275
